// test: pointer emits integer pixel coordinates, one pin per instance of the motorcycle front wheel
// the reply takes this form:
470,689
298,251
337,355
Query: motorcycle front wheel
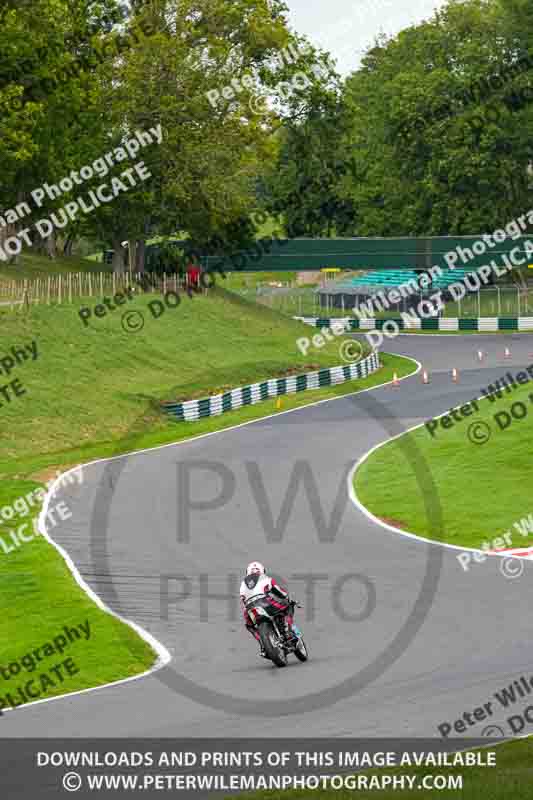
300,650
273,645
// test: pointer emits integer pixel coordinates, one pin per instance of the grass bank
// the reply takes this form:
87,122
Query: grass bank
483,488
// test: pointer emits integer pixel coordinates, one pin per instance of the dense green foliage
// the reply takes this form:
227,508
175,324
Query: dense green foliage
77,78
429,136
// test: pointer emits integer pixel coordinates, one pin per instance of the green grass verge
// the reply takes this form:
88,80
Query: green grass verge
510,779
483,488
39,598
95,391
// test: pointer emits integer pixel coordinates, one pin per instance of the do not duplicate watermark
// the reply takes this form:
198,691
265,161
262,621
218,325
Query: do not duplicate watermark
39,685
479,431
16,356
350,350
15,513
503,700
101,195
510,566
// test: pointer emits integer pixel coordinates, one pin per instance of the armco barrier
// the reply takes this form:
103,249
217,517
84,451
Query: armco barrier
432,324
192,410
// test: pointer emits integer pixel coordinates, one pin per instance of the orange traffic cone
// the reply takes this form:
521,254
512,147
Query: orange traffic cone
395,381
455,375
507,353
425,376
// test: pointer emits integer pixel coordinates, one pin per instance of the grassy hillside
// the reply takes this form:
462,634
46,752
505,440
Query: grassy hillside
89,383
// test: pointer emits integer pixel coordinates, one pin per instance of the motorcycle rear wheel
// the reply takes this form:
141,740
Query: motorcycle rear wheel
273,645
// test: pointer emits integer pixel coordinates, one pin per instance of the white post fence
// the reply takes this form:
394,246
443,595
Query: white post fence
68,288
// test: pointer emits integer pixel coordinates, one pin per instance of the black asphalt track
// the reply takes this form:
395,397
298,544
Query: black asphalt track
401,638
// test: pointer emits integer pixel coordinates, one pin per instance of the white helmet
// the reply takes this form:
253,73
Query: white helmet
255,568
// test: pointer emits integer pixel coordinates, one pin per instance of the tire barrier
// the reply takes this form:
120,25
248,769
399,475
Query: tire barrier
433,324
193,410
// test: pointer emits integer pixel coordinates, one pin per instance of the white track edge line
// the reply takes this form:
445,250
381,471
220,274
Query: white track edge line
163,654
358,504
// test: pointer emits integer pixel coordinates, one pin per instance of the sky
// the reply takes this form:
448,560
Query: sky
346,28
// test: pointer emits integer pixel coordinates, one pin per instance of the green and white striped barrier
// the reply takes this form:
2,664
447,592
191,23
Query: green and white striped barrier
193,410
433,324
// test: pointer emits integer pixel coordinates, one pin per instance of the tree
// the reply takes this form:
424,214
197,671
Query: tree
440,142
306,182
46,113
197,77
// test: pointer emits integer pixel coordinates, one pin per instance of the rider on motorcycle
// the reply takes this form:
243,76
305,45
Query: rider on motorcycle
258,583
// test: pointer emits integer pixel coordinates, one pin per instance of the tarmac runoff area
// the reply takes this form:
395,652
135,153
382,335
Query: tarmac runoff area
472,637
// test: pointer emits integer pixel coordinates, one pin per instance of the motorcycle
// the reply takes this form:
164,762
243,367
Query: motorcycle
268,621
